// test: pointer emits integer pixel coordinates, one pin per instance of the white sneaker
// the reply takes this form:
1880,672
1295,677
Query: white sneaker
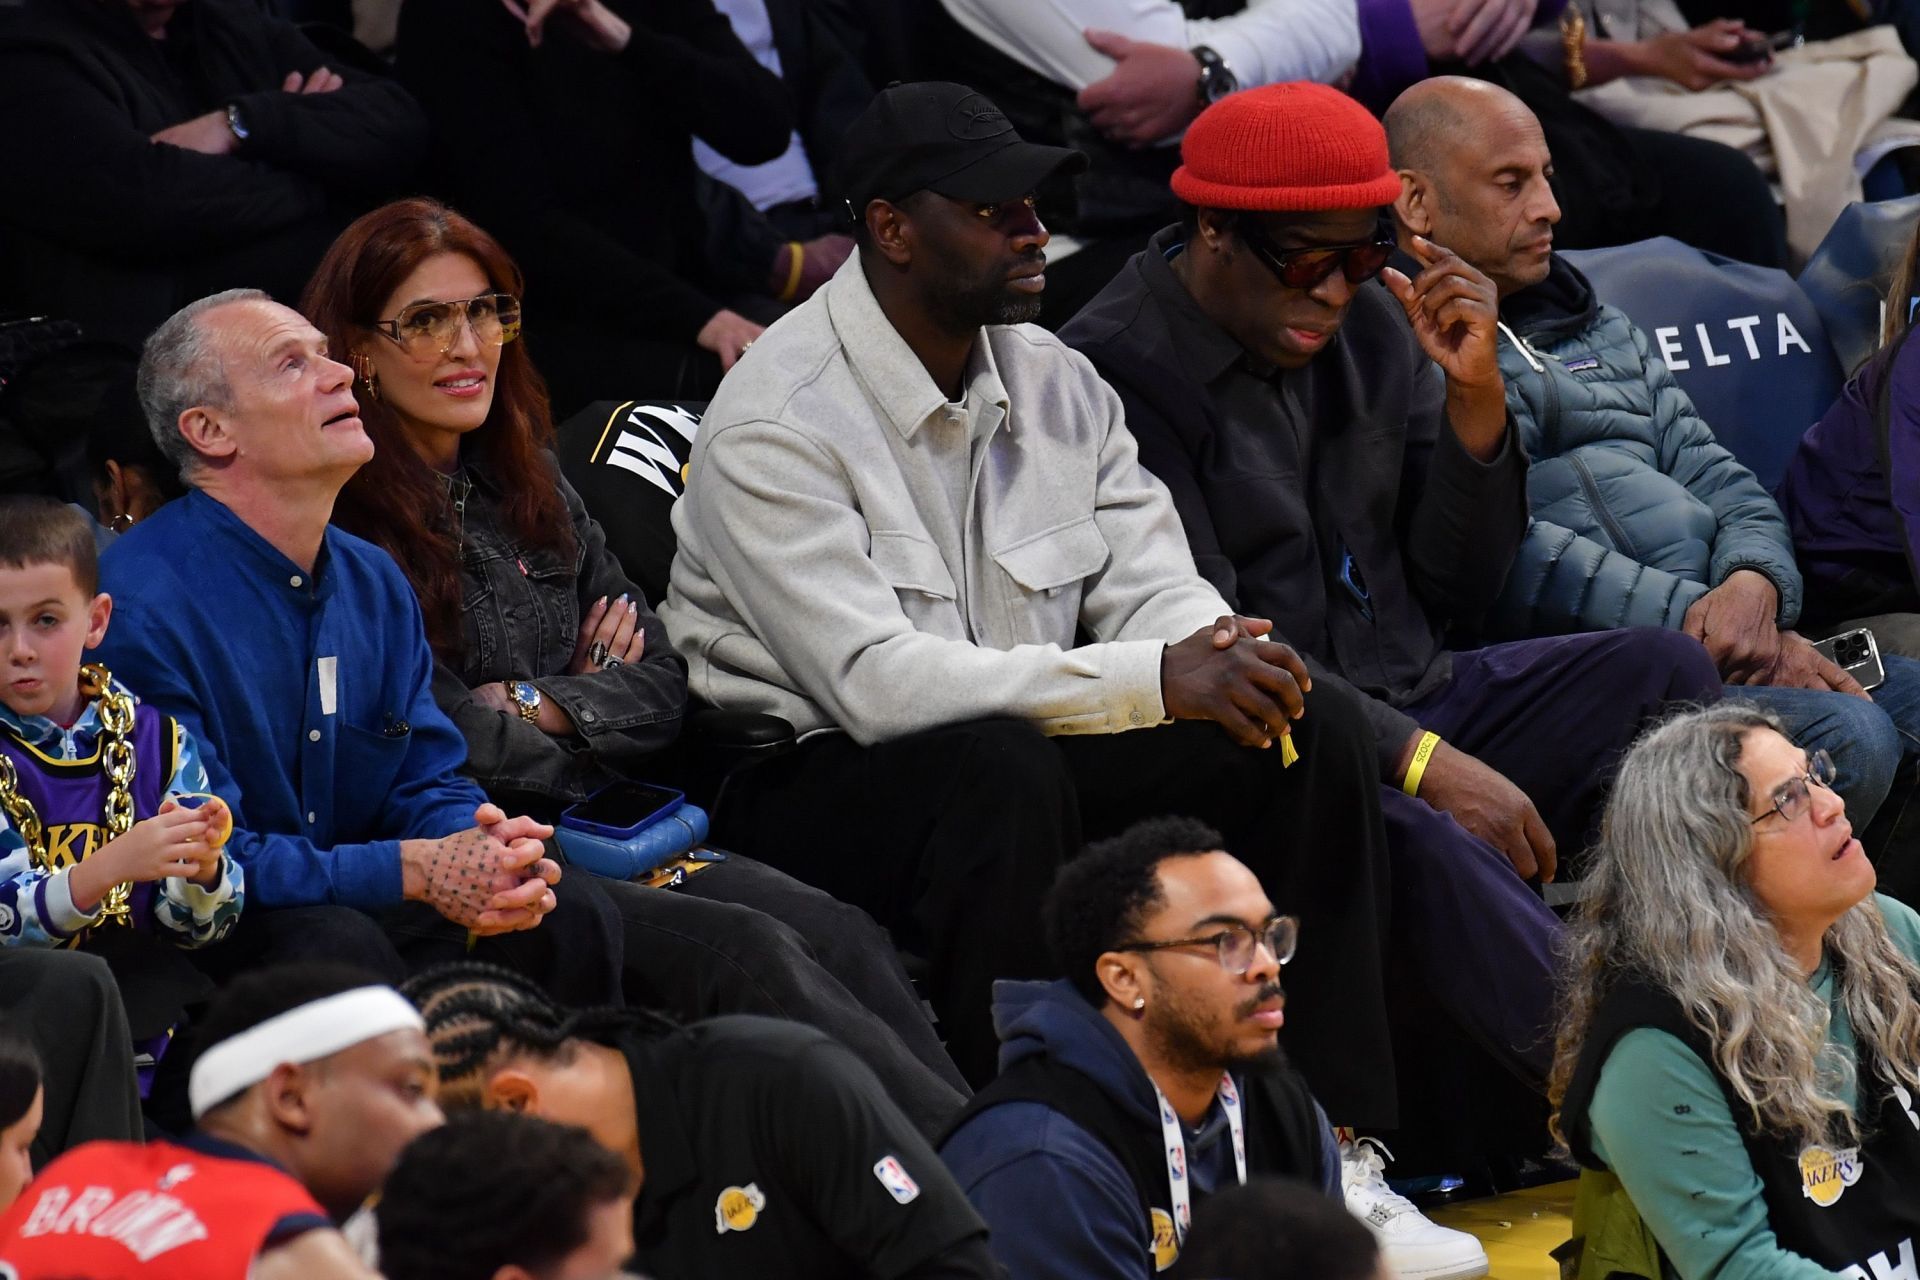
1414,1248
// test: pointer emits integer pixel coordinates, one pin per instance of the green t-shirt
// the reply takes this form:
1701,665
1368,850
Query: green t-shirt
1661,1123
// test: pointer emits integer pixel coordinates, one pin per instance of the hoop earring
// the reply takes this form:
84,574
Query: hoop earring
363,371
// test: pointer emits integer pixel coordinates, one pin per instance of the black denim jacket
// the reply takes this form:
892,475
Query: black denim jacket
520,612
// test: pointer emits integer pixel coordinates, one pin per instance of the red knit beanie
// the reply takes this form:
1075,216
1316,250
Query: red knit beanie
1291,148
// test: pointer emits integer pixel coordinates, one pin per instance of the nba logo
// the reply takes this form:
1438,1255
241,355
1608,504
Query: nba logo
1177,1163
894,1177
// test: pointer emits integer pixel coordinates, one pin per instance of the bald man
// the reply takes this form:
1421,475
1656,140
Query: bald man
1639,516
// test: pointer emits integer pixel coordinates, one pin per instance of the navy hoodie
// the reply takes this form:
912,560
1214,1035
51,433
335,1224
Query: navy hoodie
1060,1205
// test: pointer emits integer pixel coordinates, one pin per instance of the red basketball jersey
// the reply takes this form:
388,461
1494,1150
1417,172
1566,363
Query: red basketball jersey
108,1210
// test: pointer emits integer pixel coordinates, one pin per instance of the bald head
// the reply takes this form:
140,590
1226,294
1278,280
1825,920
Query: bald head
1447,115
1474,170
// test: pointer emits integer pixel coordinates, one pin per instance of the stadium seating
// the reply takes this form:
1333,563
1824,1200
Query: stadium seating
1848,275
1744,342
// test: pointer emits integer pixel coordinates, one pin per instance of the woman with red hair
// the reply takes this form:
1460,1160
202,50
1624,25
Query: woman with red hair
549,661
546,656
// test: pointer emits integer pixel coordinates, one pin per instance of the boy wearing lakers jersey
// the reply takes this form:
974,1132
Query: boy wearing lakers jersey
92,837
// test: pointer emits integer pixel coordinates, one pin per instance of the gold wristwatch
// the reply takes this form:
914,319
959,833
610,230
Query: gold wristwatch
526,696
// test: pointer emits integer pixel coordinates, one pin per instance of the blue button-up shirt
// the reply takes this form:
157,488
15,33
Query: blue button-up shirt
308,692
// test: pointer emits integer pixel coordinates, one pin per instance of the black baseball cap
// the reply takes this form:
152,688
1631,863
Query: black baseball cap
938,136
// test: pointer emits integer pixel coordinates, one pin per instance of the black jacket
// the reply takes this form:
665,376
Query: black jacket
115,230
1334,500
826,86
581,161
826,90
520,612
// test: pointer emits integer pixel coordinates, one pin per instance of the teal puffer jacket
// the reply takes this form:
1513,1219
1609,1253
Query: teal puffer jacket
1637,510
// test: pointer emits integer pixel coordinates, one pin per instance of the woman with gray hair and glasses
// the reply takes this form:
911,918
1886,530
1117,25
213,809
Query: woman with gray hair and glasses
1740,1044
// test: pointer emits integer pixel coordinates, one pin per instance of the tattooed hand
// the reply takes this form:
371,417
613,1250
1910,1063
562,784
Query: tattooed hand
525,840
476,880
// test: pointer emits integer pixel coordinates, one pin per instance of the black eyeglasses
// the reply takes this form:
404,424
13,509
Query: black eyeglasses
1306,268
1790,797
1236,943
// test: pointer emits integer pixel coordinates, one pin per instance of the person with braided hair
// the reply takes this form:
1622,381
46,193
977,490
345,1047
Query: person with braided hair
761,1147
92,837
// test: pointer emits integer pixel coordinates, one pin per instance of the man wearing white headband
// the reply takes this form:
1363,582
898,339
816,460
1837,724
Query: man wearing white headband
309,1084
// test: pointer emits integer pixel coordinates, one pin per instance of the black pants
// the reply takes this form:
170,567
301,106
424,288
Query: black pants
66,1005
951,837
738,938
1711,196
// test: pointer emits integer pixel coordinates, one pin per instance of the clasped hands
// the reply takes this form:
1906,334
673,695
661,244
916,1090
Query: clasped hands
1253,688
494,877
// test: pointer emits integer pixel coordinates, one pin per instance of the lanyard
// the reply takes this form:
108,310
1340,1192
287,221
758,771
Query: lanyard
1176,1146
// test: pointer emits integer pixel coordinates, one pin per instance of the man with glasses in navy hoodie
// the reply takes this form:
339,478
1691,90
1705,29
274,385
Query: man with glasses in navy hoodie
1151,1077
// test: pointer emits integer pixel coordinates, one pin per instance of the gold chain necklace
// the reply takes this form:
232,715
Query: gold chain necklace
116,760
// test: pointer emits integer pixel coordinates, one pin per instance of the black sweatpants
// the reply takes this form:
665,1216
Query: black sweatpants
738,938
66,1005
951,838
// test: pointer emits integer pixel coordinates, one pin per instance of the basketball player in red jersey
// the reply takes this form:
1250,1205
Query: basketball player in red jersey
308,1084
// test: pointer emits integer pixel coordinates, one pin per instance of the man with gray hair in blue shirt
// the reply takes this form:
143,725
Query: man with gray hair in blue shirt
296,654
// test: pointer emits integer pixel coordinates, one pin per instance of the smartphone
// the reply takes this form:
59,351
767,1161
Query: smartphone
623,809
1758,49
1856,653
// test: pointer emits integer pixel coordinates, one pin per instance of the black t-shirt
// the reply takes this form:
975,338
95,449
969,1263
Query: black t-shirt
768,1149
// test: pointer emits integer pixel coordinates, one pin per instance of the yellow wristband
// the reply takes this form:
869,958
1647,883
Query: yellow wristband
1417,769
793,272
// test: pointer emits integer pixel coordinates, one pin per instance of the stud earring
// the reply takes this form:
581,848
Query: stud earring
363,370
1139,1003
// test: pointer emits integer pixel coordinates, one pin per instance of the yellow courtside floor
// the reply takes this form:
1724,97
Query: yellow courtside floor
1517,1229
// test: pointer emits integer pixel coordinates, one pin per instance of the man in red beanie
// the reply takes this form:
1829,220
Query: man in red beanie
1337,442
